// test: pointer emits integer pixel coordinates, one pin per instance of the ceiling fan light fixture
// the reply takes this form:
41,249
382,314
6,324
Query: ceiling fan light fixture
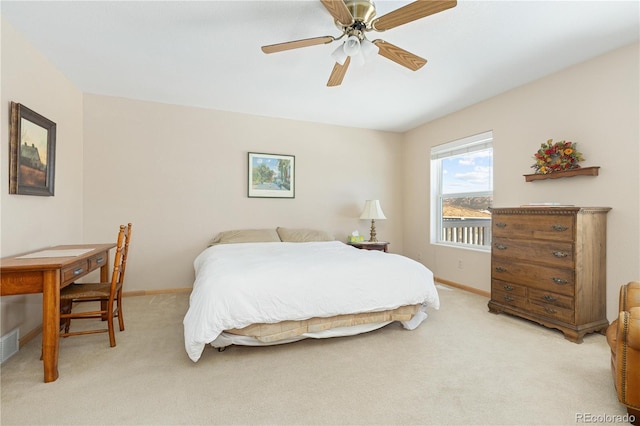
352,46
358,59
368,49
339,54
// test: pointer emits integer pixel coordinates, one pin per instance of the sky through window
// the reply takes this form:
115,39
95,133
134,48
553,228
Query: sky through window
469,172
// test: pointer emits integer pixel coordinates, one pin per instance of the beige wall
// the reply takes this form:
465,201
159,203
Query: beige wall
30,222
596,104
179,174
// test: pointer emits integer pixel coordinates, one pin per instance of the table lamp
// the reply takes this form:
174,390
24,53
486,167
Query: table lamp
373,211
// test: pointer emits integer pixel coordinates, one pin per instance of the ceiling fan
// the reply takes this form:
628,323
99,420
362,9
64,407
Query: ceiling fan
357,17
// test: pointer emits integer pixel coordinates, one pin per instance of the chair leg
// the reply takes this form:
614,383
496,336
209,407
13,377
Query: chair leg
112,334
65,308
120,317
103,308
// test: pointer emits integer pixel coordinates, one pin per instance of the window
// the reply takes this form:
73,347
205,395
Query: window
462,191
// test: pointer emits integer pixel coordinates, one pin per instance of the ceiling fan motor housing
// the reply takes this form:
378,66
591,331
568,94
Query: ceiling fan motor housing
362,10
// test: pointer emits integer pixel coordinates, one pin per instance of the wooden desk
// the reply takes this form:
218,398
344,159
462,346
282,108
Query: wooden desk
47,275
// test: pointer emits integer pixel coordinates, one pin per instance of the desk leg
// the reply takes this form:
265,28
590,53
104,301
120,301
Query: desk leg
50,324
104,269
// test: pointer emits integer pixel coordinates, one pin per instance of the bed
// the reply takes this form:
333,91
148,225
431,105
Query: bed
274,286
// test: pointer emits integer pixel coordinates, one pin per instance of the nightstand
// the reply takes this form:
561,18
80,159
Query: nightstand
365,245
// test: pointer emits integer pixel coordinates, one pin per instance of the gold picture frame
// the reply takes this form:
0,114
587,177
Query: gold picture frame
32,151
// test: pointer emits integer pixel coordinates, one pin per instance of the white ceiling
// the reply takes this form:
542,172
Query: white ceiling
207,54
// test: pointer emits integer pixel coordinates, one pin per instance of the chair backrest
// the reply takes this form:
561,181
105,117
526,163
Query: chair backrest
629,296
120,261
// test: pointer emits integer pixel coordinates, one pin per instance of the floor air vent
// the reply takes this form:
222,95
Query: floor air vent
9,345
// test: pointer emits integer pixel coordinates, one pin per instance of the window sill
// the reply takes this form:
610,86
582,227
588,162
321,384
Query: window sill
482,249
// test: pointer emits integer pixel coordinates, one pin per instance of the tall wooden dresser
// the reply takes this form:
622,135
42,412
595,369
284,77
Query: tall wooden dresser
548,265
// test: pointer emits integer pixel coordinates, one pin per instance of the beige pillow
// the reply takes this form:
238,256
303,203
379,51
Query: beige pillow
303,235
246,236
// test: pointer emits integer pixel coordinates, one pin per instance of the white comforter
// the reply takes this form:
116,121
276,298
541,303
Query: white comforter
241,284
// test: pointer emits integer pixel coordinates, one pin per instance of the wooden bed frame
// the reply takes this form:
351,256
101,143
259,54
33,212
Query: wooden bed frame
271,333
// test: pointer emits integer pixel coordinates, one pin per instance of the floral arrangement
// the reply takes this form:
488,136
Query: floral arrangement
556,157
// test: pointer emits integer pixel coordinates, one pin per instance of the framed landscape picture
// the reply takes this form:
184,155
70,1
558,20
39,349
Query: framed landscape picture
271,175
32,149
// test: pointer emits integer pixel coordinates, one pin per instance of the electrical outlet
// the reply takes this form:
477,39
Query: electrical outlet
419,256
460,265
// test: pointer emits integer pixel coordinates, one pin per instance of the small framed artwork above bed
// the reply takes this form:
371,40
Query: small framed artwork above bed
271,175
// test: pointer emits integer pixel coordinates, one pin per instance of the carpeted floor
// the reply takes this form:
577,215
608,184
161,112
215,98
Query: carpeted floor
462,366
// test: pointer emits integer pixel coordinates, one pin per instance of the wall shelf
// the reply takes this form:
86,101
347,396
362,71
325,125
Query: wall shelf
585,171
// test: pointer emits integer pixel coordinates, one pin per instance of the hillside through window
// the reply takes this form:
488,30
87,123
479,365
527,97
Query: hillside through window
462,192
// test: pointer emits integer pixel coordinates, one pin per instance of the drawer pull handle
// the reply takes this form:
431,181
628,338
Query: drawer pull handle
560,254
501,269
549,298
559,228
501,224
100,260
508,299
549,310
507,287
78,271
501,247
559,281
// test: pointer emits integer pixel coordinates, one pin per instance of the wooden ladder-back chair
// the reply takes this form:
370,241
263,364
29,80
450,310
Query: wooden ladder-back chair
108,294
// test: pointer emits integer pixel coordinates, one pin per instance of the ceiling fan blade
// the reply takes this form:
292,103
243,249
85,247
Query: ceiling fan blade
335,79
399,56
339,11
273,48
416,10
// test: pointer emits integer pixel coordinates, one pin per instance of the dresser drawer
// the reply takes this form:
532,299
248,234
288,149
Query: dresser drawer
510,288
527,226
75,271
556,280
510,299
552,311
555,253
549,298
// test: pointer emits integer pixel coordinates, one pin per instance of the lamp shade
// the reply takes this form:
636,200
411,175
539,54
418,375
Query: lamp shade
368,49
358,50
338,55
352,46
372,210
